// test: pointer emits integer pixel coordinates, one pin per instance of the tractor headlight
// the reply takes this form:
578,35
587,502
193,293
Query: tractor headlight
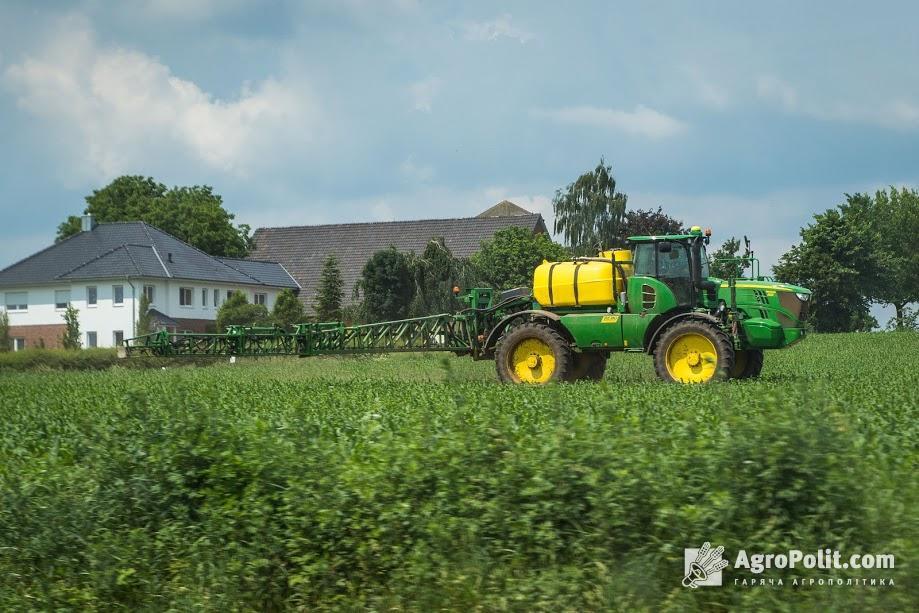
803,297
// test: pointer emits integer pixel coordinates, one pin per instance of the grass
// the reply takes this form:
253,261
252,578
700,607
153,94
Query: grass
417,482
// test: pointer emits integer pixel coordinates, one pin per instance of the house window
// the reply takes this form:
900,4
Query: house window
91,296
185,296
229,293
91,340
17,301
117,295
260,299
61,298
216,297
204,297
118,338
149,292
19,344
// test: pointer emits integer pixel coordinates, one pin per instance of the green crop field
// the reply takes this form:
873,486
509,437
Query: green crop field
418,482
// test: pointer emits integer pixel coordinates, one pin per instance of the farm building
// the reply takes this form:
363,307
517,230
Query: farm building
303,250
104,270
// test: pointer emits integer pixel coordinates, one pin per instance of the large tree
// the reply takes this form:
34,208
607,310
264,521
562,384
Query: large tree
70,338
330,294
647,223
895,216
589,212
837,259
436,273
386,286
5,340
194,214
508,260
144,318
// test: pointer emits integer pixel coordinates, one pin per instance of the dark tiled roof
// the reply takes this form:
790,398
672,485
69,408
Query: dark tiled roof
504,208
134,249
304,249
271,273
161,318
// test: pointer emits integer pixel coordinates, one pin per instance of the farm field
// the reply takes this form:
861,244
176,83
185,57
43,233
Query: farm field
419,482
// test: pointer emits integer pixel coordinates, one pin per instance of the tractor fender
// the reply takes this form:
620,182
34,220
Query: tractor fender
668,320
499,328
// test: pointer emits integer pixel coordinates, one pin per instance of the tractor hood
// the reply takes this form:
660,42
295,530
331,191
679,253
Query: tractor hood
774,313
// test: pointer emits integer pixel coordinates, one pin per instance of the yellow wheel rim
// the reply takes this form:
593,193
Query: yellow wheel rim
533,361
740,363
692,358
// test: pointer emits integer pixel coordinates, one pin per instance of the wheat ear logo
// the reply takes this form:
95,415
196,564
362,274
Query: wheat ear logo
703,566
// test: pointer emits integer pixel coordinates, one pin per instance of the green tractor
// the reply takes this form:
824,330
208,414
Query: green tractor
656,297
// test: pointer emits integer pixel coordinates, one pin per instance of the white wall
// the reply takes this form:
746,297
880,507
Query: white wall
106,317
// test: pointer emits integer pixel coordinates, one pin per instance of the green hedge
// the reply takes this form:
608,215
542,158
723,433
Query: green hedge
86,359
243,488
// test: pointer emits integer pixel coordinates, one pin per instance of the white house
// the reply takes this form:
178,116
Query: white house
104,270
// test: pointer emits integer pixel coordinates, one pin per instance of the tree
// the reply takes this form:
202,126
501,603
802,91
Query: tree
896,224
647,223
193,214
144,319
837,260
236,311
719,264
508,260
590,211
70,339
288,310
436,273
5,340
386,285
330,292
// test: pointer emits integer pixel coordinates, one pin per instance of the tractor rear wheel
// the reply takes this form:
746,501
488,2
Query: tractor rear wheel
533,353
693,351
589,366
748,363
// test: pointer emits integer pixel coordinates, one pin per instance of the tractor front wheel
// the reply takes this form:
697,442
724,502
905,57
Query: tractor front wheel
693,351
533,353
748,363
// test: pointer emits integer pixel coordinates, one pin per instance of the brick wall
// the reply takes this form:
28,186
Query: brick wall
33,335
195,325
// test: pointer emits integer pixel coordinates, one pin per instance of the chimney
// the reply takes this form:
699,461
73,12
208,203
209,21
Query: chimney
88,223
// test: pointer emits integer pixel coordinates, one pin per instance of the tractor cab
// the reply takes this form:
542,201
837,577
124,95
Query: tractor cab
670,271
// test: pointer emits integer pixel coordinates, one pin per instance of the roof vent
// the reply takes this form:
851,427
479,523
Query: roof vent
87,223
169,257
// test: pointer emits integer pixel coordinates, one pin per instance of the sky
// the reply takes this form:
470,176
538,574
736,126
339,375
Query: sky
746,118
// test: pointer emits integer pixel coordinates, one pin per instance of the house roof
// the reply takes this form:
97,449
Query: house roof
303,250
505,208
136,249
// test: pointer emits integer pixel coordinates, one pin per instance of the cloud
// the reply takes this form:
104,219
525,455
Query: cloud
641,121
416,173
494,29
189,9
711,94
114,110
897,114
772,88
423,92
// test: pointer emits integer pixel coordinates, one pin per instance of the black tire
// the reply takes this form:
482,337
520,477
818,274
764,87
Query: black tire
556,344
673,341
589,366
748,363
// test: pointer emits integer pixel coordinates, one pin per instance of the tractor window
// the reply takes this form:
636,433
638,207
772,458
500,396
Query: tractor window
644,260
705,269
673,262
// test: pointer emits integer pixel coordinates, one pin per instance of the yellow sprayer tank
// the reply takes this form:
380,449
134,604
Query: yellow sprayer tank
562,284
